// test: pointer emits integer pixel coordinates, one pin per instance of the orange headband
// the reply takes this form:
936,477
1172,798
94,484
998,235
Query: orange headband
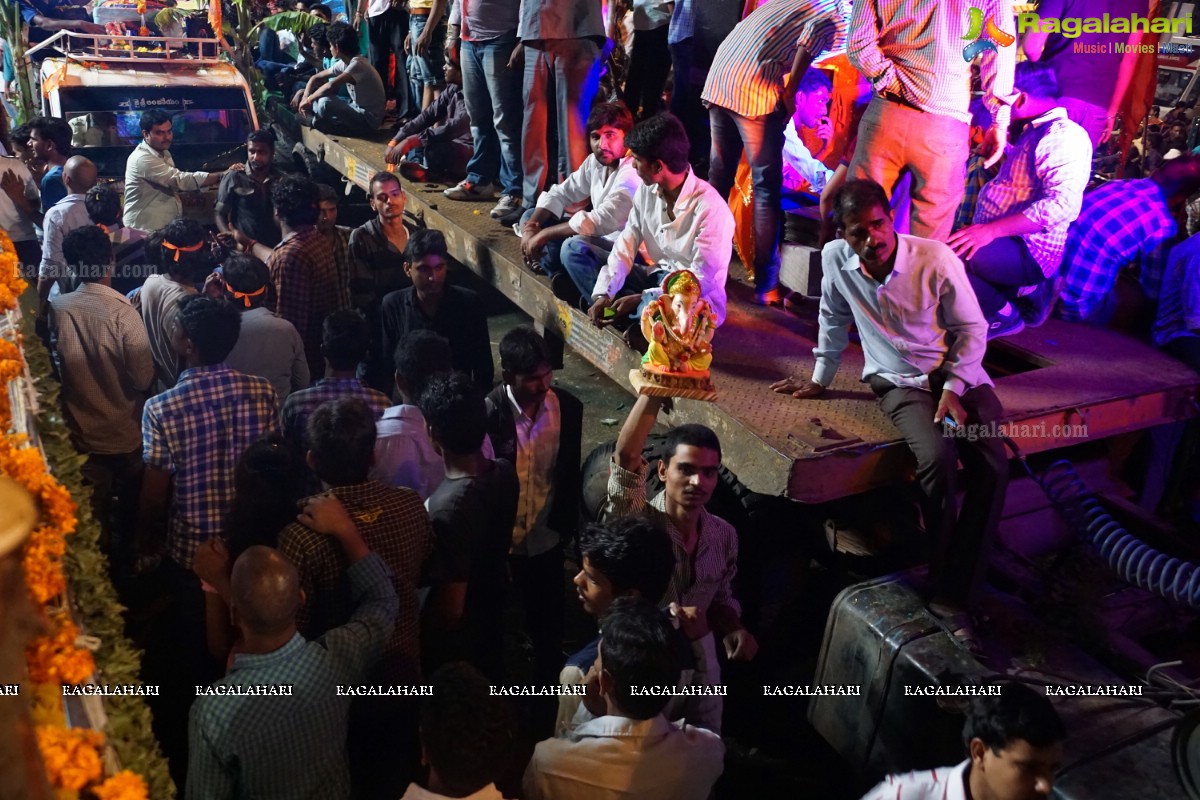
245,296
191,248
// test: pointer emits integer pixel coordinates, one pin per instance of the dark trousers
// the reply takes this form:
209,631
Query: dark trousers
960,541
998,270
539,582
649,64
116,482
385,37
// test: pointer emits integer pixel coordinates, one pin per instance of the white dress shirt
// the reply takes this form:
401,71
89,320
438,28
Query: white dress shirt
616,758
924,316
537,455
404,455
944,783
151,187
698,235
610,191
799,165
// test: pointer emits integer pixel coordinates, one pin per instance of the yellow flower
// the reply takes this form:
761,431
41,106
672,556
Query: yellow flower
122,786
71,756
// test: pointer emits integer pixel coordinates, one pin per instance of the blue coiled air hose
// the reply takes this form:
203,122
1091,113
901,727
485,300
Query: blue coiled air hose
1135,561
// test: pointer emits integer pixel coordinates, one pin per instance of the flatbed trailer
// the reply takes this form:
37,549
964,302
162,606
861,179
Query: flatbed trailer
1060,383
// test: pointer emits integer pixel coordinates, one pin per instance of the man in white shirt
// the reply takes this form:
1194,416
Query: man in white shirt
680,220
913,55
632,752
152,183
608,181
404,455
923,339
801,167
1014,743
69,213
539,430
19,211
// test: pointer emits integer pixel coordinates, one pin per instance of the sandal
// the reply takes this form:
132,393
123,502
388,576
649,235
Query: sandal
959,626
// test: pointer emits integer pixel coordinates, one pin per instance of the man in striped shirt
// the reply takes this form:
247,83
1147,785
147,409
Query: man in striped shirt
748,111
1015,747
912,52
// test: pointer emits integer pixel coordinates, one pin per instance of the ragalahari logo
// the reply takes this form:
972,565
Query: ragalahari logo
983,37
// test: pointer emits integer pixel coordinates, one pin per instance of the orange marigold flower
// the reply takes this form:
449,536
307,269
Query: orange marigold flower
124,785
71,756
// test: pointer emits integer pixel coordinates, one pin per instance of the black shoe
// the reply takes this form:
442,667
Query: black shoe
564,289
1035,308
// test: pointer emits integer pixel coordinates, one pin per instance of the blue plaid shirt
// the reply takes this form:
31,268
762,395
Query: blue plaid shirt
276,746
683,22
300,405
1122,224
197,430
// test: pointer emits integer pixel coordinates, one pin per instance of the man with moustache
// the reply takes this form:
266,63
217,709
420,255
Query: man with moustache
580,243
923,338
244,198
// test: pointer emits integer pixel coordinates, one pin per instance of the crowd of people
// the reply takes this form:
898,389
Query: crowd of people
286,362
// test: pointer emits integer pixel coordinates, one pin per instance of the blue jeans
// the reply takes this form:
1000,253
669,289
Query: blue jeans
581,257
999,270
567,70
426,70
493,95
762,139
335,115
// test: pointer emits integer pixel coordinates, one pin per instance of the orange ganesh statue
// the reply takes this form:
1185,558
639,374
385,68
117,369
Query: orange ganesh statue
679,325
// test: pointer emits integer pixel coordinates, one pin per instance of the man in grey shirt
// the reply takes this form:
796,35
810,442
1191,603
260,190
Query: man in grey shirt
320,106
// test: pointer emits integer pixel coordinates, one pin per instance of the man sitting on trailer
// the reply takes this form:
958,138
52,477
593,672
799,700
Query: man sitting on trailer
923,339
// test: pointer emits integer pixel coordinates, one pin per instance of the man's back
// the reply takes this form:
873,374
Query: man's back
617,758
271,348
393,522
300,405
159,302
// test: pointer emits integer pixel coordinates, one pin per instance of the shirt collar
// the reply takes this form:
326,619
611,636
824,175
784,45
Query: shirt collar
404,412
147,148
70,199
265,660
854,263
1058,112
622,727
332,382
520,412
195,372
415,792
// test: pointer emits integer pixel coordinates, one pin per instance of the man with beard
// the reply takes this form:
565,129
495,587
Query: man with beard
706,546
244,198
583,240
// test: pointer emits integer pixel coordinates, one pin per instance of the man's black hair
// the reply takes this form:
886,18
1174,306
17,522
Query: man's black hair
263,136
344,37
660,138
341,437
419,356
326,193
153,118
692,434
321,10
425,242
295,200
636,649
267,482
318,33
345,338
859,195
103,205
813,80
1018,712
614,114
211,325
54,129
246,274
634,552
193,265
1037,79
455,411
466,732
88,253
383,177
522,351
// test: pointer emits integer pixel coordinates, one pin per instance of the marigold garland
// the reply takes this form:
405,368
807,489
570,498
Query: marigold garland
55,658
125,785
71,756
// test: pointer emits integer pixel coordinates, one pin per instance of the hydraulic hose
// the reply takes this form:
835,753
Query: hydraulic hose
1135,561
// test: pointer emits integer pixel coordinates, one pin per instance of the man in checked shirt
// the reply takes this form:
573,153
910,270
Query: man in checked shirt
1014,248
706,546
